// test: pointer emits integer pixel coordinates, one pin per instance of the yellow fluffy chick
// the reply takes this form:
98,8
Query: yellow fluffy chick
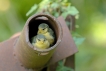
40,42
47,32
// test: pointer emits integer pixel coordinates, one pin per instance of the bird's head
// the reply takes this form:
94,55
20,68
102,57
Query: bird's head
43,28
40,38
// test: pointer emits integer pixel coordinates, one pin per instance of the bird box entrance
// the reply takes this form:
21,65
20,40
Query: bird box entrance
35,22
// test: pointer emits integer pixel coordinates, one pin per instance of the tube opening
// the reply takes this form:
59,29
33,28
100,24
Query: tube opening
35,22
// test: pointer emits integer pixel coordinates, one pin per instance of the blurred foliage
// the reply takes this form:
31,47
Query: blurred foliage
12,16
91,24
61,67
55,8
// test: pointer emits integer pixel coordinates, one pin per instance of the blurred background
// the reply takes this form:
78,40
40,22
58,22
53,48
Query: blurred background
90,25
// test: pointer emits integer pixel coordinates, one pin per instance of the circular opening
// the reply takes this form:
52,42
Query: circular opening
33,23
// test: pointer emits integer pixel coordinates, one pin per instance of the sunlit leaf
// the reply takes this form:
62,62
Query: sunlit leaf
66,4
42,4
65,0
72,10
33,8
54,5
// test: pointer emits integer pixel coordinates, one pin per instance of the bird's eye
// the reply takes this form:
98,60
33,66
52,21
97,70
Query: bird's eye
43,29
39,39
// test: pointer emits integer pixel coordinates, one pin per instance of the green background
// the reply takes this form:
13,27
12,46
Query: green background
91,25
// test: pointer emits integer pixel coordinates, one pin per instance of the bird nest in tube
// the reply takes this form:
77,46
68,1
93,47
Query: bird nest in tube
51,22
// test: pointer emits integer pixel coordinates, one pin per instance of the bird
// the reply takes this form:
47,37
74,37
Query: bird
44,29
40,42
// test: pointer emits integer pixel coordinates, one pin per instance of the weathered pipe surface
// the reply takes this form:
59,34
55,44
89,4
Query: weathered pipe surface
29,56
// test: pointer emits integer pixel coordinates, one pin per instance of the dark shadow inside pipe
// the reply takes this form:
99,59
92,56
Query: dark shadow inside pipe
33,27
44,69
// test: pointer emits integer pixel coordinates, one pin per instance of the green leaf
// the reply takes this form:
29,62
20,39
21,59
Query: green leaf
54,5
64,14
60,63
43,3
33,8
56,14
72,10
66,4
61,67
65,0
78,40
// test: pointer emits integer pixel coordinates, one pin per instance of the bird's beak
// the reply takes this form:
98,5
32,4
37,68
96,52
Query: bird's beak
42,42
39,31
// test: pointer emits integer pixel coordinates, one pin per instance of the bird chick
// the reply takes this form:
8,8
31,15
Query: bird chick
47,32
40,41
